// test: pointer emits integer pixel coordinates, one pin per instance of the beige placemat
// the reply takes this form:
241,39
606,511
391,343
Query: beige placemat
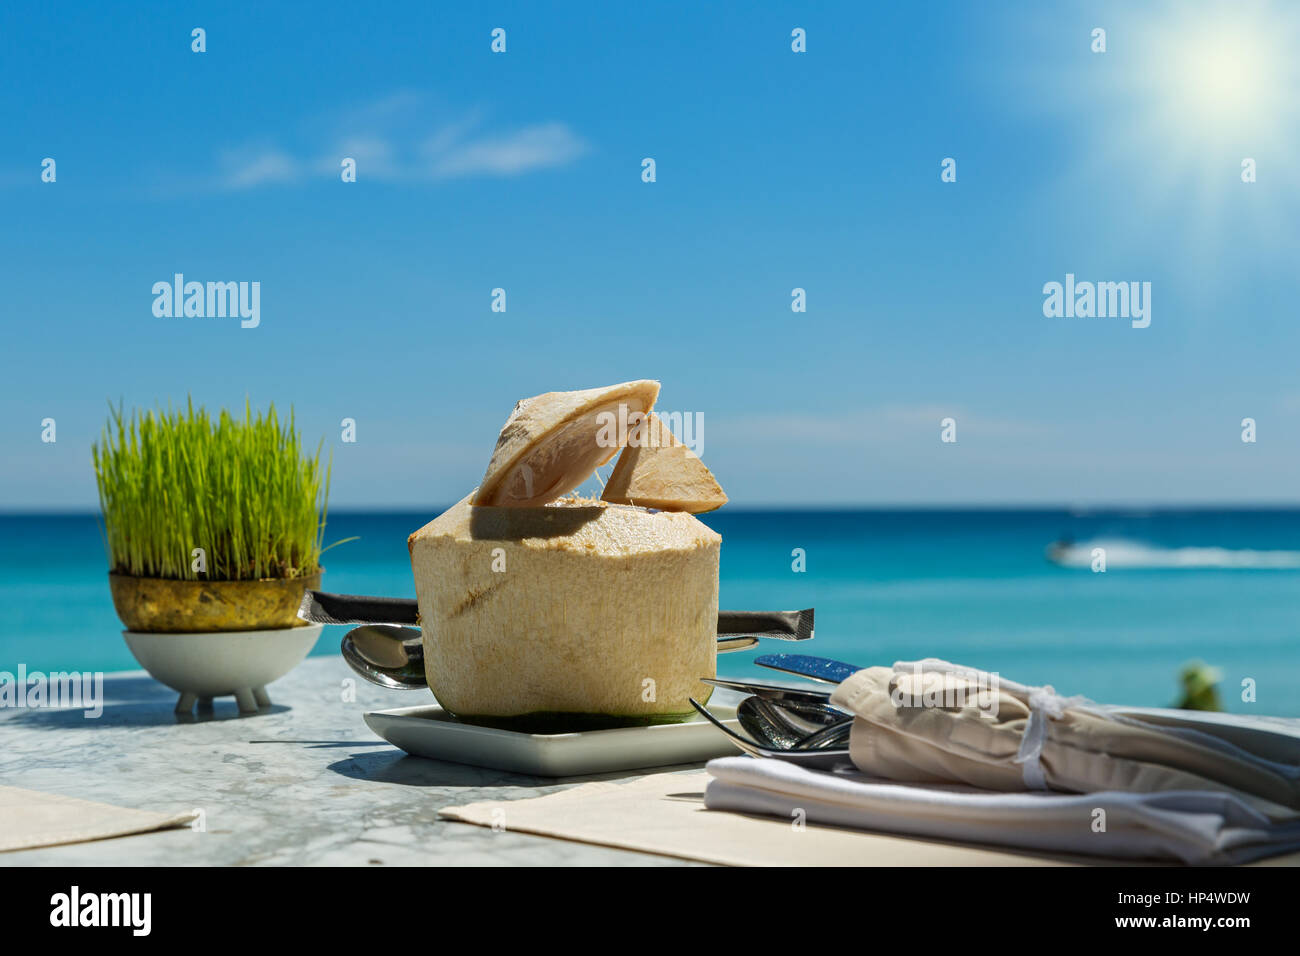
664,814
29,818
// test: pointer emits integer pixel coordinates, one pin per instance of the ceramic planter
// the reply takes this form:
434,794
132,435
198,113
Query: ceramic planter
161,605
207,639
223,663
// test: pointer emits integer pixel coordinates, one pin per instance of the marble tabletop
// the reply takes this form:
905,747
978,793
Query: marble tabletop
303,783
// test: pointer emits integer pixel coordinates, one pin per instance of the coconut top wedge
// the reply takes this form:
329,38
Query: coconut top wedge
656,470
551,443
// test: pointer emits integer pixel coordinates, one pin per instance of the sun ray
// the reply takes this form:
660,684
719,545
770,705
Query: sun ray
1165,118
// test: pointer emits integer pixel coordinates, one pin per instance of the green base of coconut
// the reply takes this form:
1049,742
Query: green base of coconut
542,722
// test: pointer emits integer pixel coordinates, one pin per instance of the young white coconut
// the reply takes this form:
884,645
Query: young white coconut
552,614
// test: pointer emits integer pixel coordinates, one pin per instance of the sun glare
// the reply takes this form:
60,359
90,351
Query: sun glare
1218,79
1196,105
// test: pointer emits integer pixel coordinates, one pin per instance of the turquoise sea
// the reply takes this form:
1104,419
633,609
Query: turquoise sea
971,586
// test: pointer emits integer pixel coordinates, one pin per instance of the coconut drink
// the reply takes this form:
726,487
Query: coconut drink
542,610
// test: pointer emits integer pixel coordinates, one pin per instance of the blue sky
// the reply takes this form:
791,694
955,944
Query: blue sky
775,170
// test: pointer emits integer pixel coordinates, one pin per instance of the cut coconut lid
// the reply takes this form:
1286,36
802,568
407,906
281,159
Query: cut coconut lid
658,471
552,443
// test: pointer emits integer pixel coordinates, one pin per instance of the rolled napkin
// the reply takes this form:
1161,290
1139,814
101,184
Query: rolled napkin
930,721
1188,827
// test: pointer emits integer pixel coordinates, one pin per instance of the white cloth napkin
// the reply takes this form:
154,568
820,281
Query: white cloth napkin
930,721
1187,826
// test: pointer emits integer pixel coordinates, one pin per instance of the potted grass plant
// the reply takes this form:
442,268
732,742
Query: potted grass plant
213,525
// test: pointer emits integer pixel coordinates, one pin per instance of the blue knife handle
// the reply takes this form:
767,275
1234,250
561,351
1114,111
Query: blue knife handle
814,668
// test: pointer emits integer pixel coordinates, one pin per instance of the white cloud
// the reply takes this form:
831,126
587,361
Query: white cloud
886,423
392,141
534,147
246,168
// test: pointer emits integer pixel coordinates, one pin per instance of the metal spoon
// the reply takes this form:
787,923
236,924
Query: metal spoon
815,759
829,737
787,721
387,655
801,712
758,719
786,726
744,743
776,692
807,716
792,726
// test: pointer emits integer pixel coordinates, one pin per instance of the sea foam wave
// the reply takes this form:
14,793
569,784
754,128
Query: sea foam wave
1122,553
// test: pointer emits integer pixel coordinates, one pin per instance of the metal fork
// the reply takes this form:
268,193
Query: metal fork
818,759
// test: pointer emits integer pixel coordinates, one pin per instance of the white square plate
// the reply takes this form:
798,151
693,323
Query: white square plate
428,731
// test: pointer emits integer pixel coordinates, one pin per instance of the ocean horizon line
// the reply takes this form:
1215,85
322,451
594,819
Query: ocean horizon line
790,508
